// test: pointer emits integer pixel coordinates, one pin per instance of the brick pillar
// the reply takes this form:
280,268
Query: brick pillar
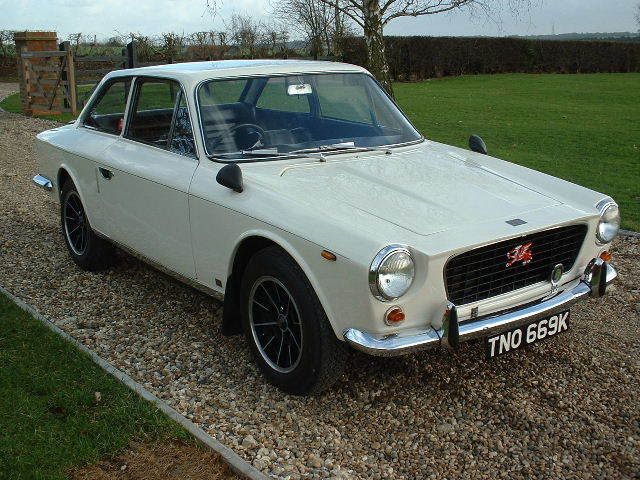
36,42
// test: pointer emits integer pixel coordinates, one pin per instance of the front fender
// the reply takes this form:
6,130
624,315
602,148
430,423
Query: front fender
327,278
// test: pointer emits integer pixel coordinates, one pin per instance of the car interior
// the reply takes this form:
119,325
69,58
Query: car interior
269,113
254,114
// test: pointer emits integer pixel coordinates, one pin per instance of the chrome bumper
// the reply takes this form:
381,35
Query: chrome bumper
593,284
43,182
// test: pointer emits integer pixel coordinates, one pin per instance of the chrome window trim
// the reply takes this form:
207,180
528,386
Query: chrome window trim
288,157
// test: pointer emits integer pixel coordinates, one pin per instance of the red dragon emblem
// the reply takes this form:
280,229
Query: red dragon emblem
521,253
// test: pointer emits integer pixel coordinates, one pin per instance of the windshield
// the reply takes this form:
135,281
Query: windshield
263,117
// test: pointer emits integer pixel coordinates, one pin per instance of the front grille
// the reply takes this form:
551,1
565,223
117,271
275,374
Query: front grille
483,273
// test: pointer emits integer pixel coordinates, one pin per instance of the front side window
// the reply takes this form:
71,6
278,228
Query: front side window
107,111
160,116
275,116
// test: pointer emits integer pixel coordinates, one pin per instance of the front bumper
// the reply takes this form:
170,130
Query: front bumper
599,275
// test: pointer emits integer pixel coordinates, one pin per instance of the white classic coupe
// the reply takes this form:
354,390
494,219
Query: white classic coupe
302,193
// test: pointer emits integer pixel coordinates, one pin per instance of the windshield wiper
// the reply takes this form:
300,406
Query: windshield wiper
327,148
258,152
335,147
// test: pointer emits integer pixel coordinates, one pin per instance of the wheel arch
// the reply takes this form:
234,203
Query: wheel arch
246,247
64,174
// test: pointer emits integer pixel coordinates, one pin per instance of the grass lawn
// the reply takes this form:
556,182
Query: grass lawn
51,418
583,128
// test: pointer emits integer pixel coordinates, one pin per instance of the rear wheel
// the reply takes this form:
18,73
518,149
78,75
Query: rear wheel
286,327
87,250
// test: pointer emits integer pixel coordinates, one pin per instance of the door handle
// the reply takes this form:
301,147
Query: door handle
107,174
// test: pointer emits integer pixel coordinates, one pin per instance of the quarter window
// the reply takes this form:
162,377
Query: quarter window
182,135
107,112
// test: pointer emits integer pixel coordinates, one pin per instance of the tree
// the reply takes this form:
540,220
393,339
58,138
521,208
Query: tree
311,18
638,16
373,15
245,34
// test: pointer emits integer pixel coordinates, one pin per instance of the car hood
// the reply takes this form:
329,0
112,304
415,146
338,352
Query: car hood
426,189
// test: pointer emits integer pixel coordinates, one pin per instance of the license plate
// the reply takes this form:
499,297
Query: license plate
527,334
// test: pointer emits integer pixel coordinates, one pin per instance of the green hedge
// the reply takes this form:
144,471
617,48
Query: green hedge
418,58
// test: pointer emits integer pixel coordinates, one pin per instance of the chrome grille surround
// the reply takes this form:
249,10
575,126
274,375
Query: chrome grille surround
483,273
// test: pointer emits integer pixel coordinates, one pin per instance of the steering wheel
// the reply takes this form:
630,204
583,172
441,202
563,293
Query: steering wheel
253,134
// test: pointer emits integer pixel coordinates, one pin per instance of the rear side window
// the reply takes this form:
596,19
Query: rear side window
107,112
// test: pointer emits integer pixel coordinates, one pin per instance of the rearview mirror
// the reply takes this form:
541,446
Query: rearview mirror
476,143
299,89
230,176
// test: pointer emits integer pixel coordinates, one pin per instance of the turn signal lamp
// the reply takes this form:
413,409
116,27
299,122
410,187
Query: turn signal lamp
327,255
394,316
606,256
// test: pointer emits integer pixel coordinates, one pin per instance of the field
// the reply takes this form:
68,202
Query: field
583,128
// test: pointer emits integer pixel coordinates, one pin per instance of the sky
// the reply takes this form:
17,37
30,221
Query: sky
150,17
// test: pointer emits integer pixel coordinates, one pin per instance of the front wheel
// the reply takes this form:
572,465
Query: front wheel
286,327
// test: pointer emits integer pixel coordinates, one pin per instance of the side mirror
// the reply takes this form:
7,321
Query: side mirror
230,176
476,143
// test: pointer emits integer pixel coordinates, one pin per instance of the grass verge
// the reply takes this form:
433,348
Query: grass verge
59,410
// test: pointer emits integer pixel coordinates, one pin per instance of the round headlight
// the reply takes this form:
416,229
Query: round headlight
609,223
391,273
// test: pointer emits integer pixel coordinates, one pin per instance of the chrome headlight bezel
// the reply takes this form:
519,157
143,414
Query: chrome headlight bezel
383,256
609,218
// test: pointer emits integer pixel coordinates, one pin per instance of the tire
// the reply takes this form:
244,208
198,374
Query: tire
87,250
269,278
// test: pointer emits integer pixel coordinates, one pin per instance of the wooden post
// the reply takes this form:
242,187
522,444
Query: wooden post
23,71
132,55
69,78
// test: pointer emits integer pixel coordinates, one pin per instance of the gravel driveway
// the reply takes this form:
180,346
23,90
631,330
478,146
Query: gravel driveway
567,408
7,89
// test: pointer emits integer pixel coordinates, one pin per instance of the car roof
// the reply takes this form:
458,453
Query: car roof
193,72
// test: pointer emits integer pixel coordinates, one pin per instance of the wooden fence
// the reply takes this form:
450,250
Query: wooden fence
49,79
